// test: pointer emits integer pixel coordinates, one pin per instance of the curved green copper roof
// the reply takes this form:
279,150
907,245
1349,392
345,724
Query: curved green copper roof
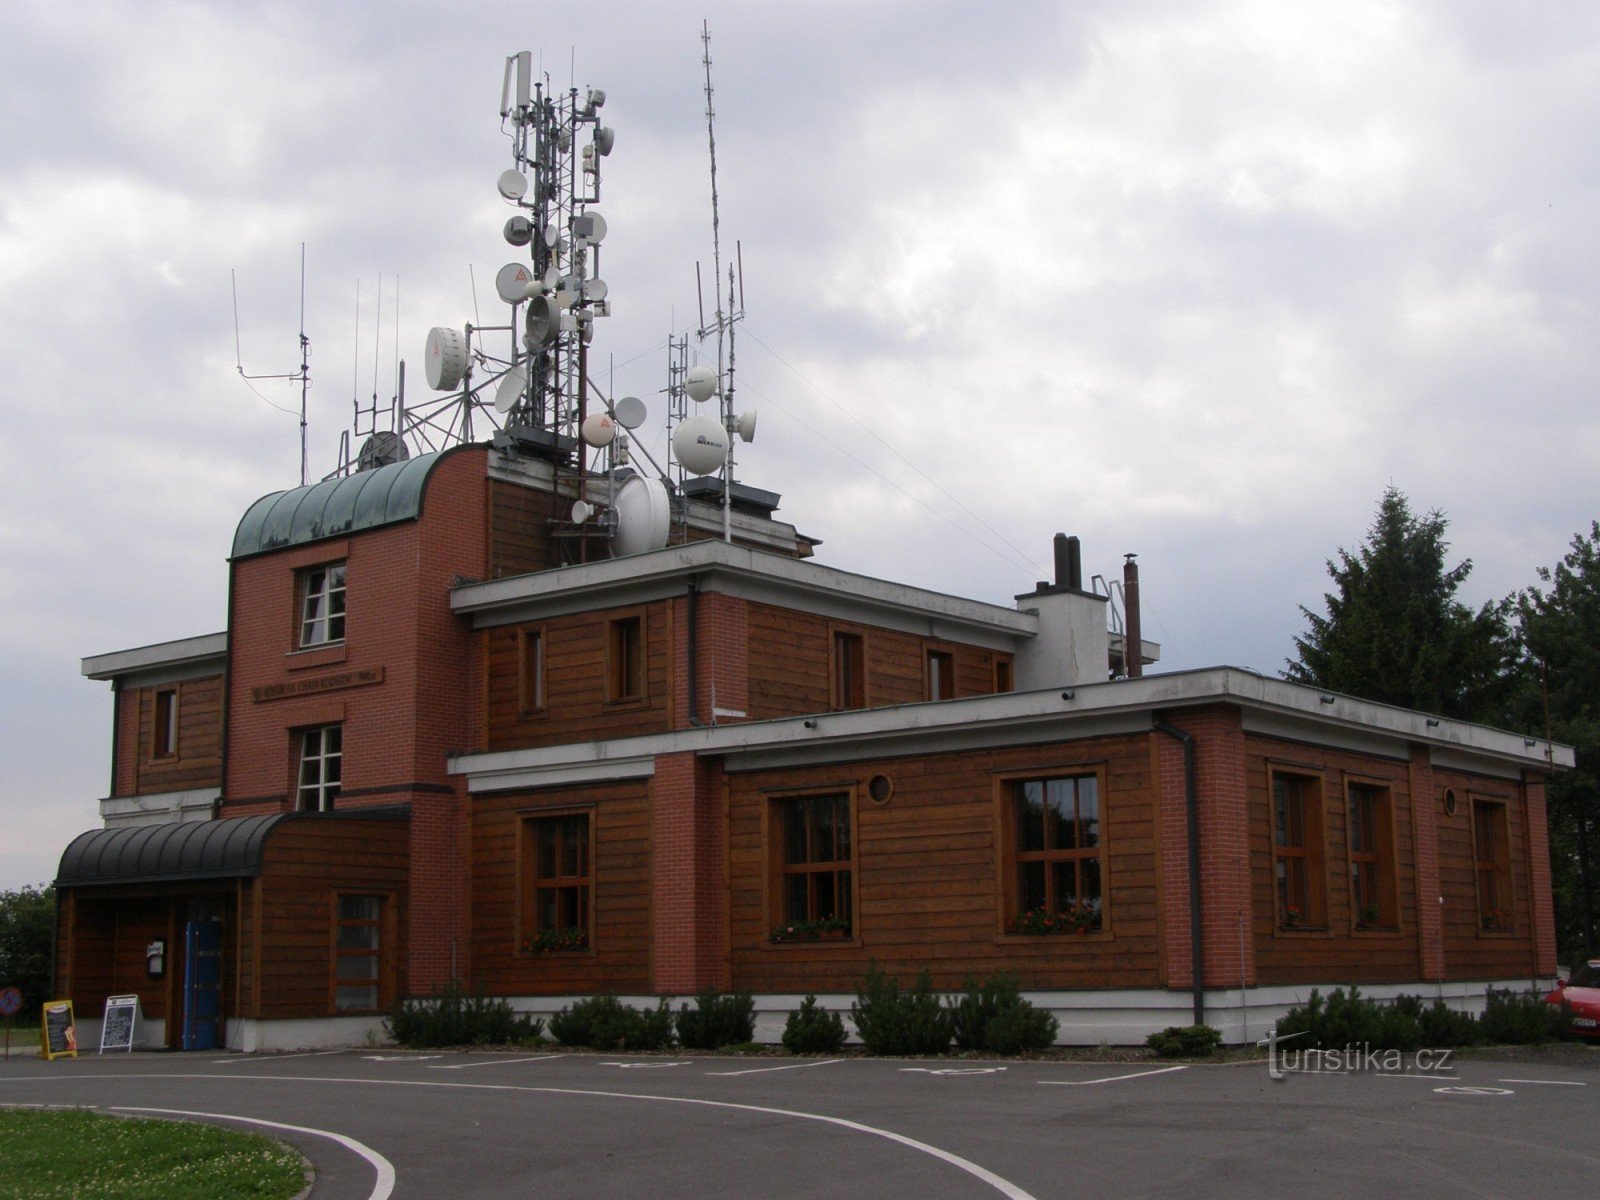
334,507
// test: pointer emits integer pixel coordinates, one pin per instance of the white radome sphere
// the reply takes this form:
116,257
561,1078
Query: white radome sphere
700,382
599,429
700,444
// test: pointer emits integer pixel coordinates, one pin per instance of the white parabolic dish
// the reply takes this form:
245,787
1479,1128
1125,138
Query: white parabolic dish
643,517
446,358
700,444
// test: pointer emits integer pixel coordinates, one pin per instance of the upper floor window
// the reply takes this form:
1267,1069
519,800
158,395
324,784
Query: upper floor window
1372,889
1297,865
1491,854
1056,855
1002,675
940,674
322,605
625,659
849,682
530,671
321,767
164,734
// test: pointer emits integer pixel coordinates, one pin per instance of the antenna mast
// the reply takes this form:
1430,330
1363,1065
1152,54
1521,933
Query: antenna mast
303,374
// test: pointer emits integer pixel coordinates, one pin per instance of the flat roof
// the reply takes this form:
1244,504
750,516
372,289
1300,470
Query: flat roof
185,652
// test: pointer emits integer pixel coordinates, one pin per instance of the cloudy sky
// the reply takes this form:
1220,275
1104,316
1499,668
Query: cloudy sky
1192,278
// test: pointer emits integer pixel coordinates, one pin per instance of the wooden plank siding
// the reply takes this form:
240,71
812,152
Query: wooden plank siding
198,762
519,528
304,864
789,655
1471,953
928,874
576,709
618,958
1339,951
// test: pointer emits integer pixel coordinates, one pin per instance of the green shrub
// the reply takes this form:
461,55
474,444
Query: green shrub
1349,1019
812,1029
994,1017
1522,1019
605,1023
717,1020
1443,1026
1185,1041
27,930
450,1017
892,1022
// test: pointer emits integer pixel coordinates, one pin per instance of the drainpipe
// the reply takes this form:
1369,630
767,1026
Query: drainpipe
691,618
1192,802
1132,636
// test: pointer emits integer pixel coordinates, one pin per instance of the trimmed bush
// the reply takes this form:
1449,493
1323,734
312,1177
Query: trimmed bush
994,1017
812,1029
1185,1041
717,1020
605,1023
1440,1025
892,1022
450,1017
1522,1019
1350,1019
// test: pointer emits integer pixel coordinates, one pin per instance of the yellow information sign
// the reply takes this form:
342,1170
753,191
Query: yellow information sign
58,1033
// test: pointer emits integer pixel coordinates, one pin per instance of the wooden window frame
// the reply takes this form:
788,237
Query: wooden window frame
532,675
1008,791
1305,861
780,870
938,665
164,723
383,923
529,927
1491,866
1003,674
327,627
627,682
1372,875
325,793
852,694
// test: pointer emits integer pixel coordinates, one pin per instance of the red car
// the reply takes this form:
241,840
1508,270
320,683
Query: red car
1581,994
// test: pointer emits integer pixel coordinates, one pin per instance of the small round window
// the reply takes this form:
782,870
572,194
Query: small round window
879,789
1449,802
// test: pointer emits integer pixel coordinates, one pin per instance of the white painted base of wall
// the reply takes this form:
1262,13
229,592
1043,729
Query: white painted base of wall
311,1033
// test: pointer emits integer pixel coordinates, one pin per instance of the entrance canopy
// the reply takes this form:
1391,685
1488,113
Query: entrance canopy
171,853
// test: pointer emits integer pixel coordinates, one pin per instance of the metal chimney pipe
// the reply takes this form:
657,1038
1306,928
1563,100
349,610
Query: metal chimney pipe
1133,642
1069,562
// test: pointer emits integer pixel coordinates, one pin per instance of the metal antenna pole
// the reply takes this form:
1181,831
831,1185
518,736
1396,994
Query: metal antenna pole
716,281
305,366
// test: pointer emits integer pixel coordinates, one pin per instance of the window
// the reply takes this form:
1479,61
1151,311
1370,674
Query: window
357,953
322,605
849,687
1373,902
164,737
625,659
1055,855
321,767
941,675
814,868
1297,850
1002,675
1491,854
560,884
530,672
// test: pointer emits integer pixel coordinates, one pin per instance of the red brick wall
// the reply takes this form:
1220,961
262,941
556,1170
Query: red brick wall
1425,829
721,658
1542,904
688,884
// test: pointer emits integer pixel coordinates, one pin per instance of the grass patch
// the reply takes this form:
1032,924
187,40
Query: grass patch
69,1154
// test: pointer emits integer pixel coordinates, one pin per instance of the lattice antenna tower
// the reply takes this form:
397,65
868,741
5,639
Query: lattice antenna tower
539,372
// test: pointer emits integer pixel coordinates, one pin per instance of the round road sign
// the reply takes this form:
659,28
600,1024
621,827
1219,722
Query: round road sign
10,1002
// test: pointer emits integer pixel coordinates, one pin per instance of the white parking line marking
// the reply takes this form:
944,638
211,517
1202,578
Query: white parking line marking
496,1062
1109,1078
646,1066
248,1056
1545,1082
381,1187
1436,1076
951,1070
790,1067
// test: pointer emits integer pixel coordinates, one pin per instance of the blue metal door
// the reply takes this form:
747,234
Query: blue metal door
202,984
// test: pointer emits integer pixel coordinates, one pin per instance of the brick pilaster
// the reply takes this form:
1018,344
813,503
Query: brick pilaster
1425,837
1543,904
688,905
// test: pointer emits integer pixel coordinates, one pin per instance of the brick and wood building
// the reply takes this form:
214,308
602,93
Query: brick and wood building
445,735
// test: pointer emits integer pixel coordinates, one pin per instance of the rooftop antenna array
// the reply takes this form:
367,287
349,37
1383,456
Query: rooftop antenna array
303,374
381,446
703,444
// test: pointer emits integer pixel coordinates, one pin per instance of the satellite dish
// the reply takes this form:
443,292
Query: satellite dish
446,358
604,138
589,227
745,426
543,323
519,230
552,276
700,382
569,289
511,282
598,430
513,185
595,289
381,449
513,386
700,445
629,412
581,512
643,516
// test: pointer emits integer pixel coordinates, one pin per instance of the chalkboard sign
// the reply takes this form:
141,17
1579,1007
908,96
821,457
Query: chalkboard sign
122,1014
57,1030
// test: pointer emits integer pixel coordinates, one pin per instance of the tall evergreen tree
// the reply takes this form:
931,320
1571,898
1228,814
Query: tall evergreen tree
1559,626
1394,631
